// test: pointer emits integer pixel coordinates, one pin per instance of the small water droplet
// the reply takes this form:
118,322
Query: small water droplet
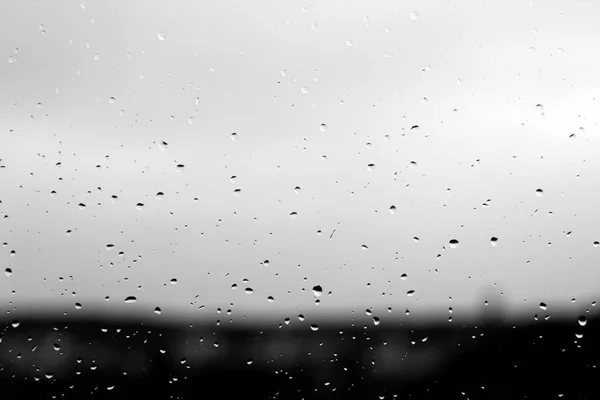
349,43
234,136
323,127
163,145
414,16
78,306
596,244
404,277
364,247
392,209
180,167
8,272
416,239
314,327
160,195
494,240
249,290
112,100
234,286
157,310
453,243
543,306
376,321
161,36
301,317
130,299
539,192
370,167
16,323
237,192
582,320
304,89
410,293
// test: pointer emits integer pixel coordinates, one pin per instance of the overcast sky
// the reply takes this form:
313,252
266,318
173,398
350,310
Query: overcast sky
462,110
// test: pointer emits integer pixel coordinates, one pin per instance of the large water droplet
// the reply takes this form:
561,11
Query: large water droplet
494,240
8,272
539,192
582,320
314,327
130,299
317,290
453,243
249,290
543,306
157,310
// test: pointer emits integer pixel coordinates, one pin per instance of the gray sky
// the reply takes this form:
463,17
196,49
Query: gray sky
105,83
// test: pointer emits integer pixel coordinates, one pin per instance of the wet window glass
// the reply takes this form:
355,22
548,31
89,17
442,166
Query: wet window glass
334,199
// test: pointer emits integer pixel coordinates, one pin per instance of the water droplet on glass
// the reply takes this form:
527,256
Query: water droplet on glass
543,306
349,43
393,210
249,290
163,145
304,89
301,317
323,127
140,206
416,239
237,192
314,327
404,277
376,321
453,243
410,293
161,36
539,192
8,272
364,247
317,290
234,136
582,320
160,195
78,306
157,310
112,100
370,167
180,167
130,299
234,286
596,244
494,240
414,16
15,323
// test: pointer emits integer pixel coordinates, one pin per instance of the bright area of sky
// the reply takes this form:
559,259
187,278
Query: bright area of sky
363,137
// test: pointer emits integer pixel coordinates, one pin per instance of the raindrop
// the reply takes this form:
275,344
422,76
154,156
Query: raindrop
173,281
157,310
314,327
404,277
364,247
161,36
237,192
249,290
596,244
543,306
234,136
160,195
234,286
376,321
453,243
579,335
249,362
110,246
323,127
582,320
180,167
304,89
112,100
317,290
270,299
78,306
15,323
297,190
539,192
81,206
414,16
163,145
410,293
392,209
416,239
301,317
494,240
140,206
370,167
130,299
8,272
